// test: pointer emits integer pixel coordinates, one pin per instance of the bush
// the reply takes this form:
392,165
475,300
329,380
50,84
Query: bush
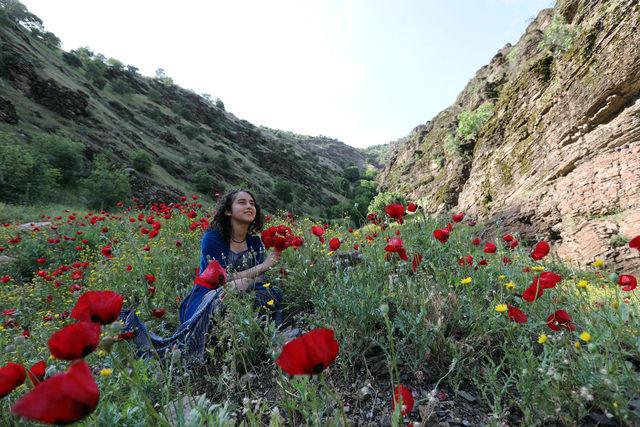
99,83
71,59
121,87
25,175
219,104
104,186
383,199
63,154
469,123
221,163
202,181
283,191
452,146
558,36
351,173
141,161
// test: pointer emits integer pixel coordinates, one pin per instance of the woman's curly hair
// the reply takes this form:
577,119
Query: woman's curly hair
222,222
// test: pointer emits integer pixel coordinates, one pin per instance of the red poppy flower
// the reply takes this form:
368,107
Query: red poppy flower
98,306
317,230
475,241
507,238
482,262
560,320
516,315
11,376
513,244
36,372
541,250
334,244
41,260
212,277
150,278
62,399
395,245
549,279
506,260
458,217
416,261
310,353
627,282
356,246
395,210
158,312
466,260
441,234
75,341
402,394
635,243
5,278
192,214
129,267
489,248
412,207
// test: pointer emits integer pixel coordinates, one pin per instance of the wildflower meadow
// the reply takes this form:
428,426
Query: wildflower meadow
397,318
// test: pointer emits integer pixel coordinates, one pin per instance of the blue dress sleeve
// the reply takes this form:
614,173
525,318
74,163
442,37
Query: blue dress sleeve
213,247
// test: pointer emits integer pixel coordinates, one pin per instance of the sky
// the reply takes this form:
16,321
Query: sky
365,72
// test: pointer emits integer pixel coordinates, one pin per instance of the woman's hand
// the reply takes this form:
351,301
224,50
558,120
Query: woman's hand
240,284
271,260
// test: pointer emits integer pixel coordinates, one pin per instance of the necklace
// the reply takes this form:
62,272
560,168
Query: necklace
240,240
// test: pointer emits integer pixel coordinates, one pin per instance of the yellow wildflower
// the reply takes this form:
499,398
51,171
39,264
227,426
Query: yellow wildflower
270,302
502,277
598,263
582,284
585,336
542,338
466,280
52,357
266,285
501,308
509,285
102,353
105,372
538,268
577,344
329,253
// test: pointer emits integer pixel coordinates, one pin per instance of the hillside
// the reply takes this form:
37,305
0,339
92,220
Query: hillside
545,139
110,108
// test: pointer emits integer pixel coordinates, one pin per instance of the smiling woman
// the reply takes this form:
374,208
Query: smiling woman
230,244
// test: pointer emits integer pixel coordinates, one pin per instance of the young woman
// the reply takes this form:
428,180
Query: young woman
231,241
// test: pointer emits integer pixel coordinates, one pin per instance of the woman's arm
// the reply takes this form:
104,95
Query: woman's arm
253,272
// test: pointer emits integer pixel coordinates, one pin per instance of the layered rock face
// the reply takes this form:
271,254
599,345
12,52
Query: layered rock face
559,157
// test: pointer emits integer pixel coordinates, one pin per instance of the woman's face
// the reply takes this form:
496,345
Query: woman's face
243,208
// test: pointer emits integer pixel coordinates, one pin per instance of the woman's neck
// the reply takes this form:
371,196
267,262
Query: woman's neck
239,232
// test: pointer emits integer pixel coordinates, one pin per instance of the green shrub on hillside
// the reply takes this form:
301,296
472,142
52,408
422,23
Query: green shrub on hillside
202,181
379,202
121,87
283,191
104,186
351,173
141,161
452,146
470,122
63,154
559,35
26,177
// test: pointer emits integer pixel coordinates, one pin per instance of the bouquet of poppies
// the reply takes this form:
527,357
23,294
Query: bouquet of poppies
280,237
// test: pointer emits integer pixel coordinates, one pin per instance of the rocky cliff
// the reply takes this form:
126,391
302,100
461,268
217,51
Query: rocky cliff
545,139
